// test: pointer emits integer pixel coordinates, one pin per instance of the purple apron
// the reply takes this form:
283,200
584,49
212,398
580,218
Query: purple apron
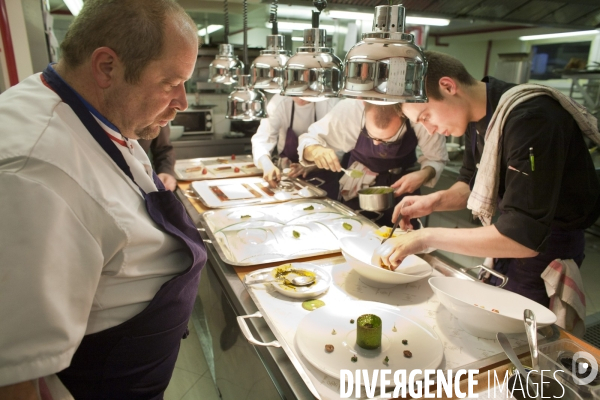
525,274
382,159
135,360
290,150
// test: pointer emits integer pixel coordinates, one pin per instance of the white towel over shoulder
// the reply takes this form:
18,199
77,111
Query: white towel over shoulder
484,196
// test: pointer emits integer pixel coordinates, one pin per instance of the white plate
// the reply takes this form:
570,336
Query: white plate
321,285
472,302
315,331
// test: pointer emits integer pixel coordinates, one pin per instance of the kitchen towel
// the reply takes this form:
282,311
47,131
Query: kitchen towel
484,196
564,286
349,186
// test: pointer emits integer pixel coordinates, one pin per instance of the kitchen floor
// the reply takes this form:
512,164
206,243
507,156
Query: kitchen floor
192,378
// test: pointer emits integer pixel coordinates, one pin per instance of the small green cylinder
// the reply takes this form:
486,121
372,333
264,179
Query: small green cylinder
368,331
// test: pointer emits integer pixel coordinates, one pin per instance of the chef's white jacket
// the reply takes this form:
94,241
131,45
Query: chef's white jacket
272,130
78,251
341,127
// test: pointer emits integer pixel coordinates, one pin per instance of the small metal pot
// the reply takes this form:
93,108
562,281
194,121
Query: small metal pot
376,198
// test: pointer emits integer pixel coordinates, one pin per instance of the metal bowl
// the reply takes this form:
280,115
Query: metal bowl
376,198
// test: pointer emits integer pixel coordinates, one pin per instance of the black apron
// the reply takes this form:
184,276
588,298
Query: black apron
290,150
135,360
382,159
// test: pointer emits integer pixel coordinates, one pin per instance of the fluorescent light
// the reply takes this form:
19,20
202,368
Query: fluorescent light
297,39
558,35
74,6
351,15
209,29
427,21
298,26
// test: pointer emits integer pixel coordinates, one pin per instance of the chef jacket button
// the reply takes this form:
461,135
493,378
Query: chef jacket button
186,333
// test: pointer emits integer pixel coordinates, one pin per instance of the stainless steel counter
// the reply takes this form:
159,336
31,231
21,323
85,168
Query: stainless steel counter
214,145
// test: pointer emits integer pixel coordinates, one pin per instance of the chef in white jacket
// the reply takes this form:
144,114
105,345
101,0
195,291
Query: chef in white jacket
377,141
289,117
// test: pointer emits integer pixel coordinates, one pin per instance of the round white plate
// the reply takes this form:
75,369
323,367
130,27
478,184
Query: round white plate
315,331
321,285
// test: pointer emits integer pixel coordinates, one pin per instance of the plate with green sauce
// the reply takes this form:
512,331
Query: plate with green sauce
283,286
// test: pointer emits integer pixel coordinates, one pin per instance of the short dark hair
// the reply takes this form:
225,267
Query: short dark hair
440,65
383,114
134,29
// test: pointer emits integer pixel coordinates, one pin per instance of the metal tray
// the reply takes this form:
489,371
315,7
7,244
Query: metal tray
258,234
216,168
226,193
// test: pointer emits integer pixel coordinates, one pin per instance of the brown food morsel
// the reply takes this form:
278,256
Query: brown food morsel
407,354
404,341
329,348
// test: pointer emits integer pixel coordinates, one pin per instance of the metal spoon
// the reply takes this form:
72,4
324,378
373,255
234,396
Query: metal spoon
299,280
353,173
393,229
531,329
512,356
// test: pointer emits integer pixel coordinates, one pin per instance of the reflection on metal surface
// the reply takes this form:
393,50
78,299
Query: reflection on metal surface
314,71
245,103
267,69
225,66
386,66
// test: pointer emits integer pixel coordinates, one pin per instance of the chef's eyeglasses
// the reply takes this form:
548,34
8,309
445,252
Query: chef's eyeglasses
394,139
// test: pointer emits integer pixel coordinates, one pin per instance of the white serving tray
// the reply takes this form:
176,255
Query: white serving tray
216,168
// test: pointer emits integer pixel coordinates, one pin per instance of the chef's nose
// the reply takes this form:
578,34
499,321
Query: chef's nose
180,101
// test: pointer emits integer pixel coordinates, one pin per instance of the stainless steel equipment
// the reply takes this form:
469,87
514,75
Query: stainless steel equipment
386,66
225,66
513,67
244,103
267,69
195,121
376,198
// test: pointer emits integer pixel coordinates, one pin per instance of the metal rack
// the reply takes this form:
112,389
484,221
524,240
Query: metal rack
589,92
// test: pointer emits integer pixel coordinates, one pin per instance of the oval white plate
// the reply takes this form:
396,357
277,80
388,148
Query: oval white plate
321,285
315,331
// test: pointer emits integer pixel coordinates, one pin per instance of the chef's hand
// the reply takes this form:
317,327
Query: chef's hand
323,157
396,249
272,175
299,170
168,180
411,182
413,207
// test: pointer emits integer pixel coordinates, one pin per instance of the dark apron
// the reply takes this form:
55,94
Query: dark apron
525,274
290,150
135,360
381,159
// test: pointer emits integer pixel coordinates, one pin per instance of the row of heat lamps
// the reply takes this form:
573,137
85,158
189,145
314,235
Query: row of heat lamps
385,67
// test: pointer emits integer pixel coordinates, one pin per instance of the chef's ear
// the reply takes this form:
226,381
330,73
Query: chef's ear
105,66
447,85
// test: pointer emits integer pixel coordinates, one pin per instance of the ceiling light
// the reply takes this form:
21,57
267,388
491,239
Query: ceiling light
427,21
225,66
386,65
314,71
297,39
74,6
351,15
558,35
209,29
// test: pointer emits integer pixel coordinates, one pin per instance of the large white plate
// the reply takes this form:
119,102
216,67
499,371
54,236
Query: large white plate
315,331
321,285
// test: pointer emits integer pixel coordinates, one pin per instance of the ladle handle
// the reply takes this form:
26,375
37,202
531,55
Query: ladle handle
531,329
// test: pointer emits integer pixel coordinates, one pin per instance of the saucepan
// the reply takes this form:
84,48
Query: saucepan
376,198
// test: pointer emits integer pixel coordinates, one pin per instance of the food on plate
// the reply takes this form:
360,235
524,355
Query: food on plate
404,341
354,358
394,328
250,166
296,234
245,216
333,332
329,348
194,169
407,354
496,311
222,161
236,169
384,266
385,231
233,156
351,321
204,171
347,226
312,304
368,331
222,168
386,360
309,208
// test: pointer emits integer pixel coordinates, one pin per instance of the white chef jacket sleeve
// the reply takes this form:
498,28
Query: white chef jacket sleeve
50,266
434,152
338,129
266,136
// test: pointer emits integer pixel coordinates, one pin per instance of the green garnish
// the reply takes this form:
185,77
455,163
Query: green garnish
296,234
309,208
351,321
347,226
245,216
386,359
313,304
354,359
